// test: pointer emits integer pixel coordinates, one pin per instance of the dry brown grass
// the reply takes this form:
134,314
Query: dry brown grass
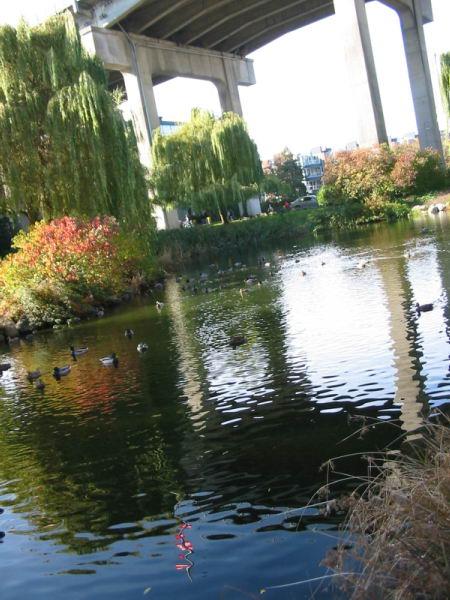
400,526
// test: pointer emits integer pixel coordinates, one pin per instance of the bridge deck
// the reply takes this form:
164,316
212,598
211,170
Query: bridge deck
236,26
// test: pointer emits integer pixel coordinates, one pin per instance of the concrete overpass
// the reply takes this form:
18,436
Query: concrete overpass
150,41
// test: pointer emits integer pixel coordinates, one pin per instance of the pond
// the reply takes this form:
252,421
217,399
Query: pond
185,471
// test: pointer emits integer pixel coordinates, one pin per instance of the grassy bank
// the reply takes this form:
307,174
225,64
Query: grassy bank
400,526
184,245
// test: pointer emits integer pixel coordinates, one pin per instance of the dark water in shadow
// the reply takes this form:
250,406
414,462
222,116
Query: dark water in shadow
99,472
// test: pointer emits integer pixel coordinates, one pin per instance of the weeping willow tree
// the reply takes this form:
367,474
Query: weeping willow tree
65,148
207,164
445,81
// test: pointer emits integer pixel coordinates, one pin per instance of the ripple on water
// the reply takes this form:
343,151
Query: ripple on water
101,470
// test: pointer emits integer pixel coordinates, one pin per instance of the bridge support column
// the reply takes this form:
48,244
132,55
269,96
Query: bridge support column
363,82
141,102
143,60
419,77
229,91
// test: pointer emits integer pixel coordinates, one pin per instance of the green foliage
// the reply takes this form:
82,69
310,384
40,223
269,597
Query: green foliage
445,81
372,177
178,245
64,267
208,164
274,187
290,172
447,158
328,196
64,146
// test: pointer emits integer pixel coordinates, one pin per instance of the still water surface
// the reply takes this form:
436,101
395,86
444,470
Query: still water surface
101,473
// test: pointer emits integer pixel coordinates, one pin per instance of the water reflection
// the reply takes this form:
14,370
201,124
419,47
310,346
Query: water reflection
106,468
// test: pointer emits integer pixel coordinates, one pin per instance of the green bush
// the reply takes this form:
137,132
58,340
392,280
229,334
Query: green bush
215,240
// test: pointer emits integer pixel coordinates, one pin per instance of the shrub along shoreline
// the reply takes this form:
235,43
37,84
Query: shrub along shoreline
67,270
397,532
361,186
185,245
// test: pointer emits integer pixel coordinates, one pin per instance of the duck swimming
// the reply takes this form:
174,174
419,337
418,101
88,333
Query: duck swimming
111,359
77,351
61,371
39,384
237,340
142,347
32,375
251,280
424,307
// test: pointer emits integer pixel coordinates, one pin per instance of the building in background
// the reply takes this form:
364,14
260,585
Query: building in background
313,168
267,166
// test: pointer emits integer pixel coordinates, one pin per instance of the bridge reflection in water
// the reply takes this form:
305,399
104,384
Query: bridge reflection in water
107,465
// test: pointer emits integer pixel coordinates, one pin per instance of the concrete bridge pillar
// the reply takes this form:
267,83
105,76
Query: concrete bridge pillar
419,76
352,18
142,60
228,90
142,105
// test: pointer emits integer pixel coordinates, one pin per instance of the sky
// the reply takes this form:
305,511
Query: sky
301,98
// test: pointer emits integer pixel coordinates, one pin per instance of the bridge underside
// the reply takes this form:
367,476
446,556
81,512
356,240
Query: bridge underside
232,26
150,41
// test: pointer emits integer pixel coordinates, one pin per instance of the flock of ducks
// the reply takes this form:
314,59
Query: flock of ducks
235,340
58,372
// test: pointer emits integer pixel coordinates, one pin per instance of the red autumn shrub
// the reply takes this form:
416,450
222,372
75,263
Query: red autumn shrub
376,175
417,171
62,267
357,175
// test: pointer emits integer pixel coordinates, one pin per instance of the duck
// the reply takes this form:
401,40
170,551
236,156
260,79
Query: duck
323,263
77,351
39,384
32,375
159,305
142,347
61,371
129,333
111,359
237,340
303,273
424,307
251,280
5,367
